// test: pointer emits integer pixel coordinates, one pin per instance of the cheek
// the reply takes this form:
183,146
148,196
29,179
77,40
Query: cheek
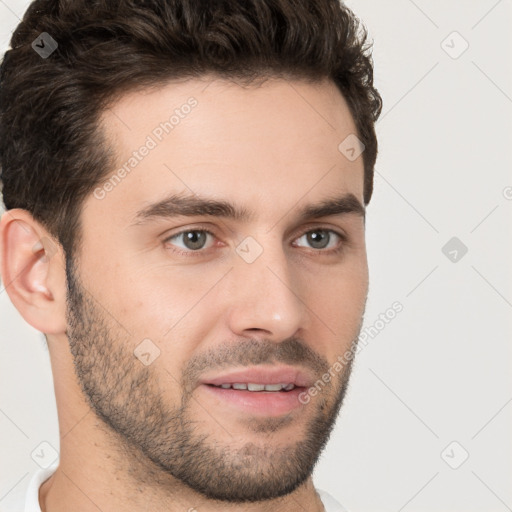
337,301
153,297
169,306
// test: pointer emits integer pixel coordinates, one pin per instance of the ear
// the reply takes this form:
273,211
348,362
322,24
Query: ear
32,267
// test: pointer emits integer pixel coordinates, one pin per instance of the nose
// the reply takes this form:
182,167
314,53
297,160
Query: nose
265,299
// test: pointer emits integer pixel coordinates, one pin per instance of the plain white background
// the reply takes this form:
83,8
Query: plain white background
426,424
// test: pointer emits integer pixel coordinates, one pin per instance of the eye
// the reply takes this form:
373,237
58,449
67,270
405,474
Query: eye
321,239
199,240
192,239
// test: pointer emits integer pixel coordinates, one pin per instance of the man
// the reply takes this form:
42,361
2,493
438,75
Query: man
185,186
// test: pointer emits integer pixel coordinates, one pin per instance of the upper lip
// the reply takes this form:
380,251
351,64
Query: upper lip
262,375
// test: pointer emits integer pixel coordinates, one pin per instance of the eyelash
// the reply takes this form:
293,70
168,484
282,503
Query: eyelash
199,252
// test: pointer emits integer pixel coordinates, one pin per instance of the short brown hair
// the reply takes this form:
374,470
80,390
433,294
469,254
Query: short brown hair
52,152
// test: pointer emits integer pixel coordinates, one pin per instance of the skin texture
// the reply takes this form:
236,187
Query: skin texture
140,437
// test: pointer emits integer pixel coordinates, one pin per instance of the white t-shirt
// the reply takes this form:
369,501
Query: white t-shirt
32,495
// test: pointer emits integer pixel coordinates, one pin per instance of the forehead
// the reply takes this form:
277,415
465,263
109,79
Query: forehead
262,145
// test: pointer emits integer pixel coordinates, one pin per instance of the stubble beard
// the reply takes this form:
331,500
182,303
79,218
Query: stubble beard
165,441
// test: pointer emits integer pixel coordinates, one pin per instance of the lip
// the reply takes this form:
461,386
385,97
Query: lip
258,403
263,375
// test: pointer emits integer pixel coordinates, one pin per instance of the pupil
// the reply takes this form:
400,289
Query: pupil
318,239
195,239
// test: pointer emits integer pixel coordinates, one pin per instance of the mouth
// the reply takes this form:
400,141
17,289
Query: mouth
262,391
253,387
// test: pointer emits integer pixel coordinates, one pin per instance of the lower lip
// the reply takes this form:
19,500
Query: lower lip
264,403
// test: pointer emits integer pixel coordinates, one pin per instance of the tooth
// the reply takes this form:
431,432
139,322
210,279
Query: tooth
273,387
255,387
258,387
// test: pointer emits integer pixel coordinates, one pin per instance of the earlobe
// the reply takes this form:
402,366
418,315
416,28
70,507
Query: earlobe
32,271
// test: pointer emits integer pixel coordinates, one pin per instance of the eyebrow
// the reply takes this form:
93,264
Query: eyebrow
177,205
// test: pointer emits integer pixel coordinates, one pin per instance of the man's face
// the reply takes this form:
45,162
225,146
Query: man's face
170,312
